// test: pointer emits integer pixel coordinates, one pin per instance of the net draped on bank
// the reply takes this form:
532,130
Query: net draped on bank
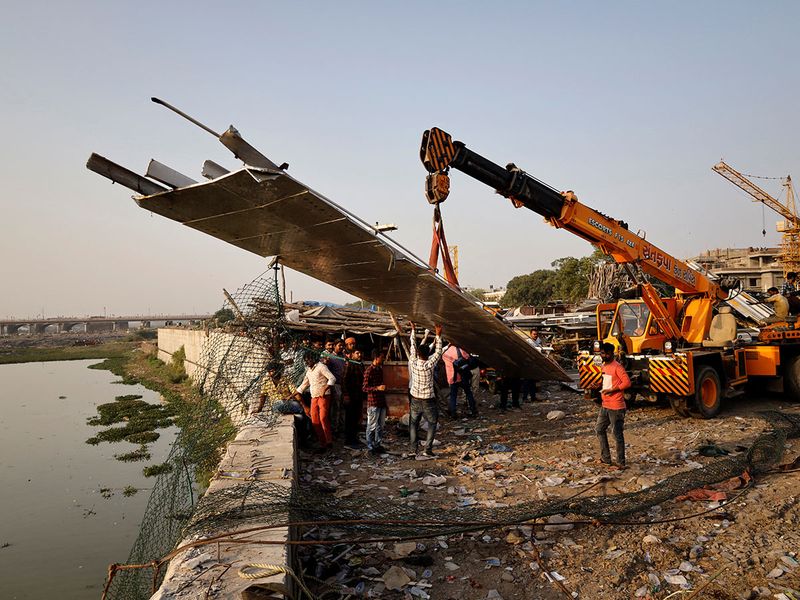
236,354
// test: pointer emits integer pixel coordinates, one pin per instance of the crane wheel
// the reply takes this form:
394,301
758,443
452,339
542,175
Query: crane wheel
708,393
791,378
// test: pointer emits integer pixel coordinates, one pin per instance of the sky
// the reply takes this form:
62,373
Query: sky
627,103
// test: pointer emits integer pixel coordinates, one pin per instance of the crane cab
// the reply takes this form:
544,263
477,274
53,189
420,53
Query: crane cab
657,366
632,327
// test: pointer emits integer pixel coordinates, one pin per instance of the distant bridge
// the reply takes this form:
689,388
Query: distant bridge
94,324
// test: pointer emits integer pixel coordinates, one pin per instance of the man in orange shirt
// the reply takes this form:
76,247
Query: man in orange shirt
612,411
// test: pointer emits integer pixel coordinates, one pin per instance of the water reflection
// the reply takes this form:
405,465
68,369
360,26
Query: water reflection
62,533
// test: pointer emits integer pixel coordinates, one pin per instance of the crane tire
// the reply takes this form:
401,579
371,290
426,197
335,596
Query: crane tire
708,393
791,378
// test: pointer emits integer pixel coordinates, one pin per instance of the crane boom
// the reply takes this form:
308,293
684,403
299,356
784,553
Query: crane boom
790,244
684,348
563,210
740,181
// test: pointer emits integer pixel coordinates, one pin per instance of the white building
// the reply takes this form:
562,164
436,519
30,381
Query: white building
758,268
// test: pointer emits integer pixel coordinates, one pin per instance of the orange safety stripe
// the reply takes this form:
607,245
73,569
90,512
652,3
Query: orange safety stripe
670,375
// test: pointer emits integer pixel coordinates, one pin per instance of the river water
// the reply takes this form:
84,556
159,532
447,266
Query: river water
61,533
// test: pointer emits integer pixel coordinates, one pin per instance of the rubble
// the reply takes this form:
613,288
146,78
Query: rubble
501,459
396,578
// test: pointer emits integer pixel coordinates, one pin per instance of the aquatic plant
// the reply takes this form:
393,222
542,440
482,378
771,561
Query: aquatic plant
140,453
153,470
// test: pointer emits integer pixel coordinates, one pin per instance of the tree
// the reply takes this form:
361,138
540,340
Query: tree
572,277
223,315
568,280
478,293
533,289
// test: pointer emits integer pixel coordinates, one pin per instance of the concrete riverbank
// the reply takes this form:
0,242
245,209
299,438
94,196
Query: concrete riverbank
262,451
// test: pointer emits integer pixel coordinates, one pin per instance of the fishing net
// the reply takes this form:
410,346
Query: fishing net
365,517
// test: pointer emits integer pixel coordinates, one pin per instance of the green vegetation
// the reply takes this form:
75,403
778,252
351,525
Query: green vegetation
145,437
140,418
116,364
154,470
141,335
175,369
46,354
127,491
140,453
477,293
205,427
223,315
568,281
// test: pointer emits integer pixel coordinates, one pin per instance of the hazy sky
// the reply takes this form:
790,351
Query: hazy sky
627,103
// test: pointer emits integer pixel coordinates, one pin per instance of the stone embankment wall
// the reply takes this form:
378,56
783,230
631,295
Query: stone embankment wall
259,453
235,358
171,339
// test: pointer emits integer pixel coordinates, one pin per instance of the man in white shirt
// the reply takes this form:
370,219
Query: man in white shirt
320,380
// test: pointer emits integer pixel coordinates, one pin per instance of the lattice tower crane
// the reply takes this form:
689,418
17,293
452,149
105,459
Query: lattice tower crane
790,228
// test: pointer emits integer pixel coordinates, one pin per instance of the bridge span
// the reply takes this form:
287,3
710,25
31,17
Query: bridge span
94,324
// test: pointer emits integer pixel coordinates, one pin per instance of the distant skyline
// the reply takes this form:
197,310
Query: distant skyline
628,104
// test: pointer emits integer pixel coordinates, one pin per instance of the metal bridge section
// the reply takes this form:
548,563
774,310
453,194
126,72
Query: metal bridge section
263,210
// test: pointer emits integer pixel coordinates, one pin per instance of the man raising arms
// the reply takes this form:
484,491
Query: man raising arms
423,397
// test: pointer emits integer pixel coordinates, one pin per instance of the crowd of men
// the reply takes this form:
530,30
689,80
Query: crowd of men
337,384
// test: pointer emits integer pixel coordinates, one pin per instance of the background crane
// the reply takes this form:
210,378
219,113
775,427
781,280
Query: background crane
790,228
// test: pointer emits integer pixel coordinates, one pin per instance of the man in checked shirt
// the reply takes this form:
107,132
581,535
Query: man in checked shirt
423,396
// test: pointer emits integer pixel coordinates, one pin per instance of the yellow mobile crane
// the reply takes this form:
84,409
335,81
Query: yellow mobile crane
683,348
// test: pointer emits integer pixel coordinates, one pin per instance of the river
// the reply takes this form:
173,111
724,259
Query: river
58,533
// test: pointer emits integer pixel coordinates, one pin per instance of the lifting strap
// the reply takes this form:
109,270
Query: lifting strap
439,245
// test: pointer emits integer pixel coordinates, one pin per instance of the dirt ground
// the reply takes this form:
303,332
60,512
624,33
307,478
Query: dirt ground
745,549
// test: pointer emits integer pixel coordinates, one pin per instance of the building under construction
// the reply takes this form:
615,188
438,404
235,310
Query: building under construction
757,268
